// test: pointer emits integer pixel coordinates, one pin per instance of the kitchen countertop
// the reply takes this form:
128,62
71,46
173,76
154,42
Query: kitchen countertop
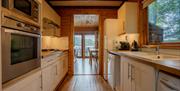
50,53
49,57
168,63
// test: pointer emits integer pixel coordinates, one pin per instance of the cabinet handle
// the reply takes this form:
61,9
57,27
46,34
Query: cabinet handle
56,70
41,82
132,72
129,74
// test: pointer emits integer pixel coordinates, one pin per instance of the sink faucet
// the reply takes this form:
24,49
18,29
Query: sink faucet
157,49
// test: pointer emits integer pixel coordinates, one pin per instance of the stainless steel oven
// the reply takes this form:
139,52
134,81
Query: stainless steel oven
20,48
28,8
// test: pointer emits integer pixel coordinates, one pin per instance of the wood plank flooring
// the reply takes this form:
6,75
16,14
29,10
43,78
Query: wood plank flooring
82,66
84,83
85,78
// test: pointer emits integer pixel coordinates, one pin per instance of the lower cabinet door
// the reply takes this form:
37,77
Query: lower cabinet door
59,70
34,85
30,83
137,76
144,77
48,78
126,76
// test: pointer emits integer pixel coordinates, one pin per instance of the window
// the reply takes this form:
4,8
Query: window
164,21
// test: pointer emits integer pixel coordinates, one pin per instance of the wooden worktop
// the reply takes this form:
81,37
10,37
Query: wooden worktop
170,66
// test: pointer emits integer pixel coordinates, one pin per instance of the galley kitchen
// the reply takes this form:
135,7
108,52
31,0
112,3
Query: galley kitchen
89,45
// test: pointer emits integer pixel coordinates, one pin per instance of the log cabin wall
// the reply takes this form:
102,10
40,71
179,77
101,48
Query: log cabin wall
67,29
142,24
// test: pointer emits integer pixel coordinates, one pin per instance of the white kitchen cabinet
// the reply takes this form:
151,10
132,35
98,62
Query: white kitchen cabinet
126,74
50,16
48,76
65,63
28,82
111,27
144,77
50,13
52,74
127,13
137,76
114,71
111,79
59,71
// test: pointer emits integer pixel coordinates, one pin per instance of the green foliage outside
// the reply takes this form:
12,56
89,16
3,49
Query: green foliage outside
165,14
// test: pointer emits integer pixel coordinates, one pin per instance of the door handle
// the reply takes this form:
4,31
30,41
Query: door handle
169,85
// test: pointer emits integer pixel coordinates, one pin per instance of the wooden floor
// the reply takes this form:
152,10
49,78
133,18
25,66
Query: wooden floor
85,78
84,83
82,66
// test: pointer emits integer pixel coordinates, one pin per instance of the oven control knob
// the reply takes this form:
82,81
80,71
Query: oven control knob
33,28
20,25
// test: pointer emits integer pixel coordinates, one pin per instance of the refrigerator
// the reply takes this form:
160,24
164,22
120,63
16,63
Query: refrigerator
112,29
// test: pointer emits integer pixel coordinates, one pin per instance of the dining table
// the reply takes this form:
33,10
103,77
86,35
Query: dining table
93,53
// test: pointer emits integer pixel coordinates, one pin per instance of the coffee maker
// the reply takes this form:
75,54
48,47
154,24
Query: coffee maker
123,45
134,46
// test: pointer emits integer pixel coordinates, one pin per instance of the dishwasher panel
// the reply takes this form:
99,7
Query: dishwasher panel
167,82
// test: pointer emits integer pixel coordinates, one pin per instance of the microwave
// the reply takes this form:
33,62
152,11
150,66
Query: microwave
27,8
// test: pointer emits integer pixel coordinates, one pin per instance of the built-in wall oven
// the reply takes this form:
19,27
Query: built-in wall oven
20,48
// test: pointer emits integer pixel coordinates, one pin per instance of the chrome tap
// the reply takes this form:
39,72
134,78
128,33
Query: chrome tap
157,49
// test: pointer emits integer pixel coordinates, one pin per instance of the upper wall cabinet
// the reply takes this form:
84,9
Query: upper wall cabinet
51,21
128,15
49,13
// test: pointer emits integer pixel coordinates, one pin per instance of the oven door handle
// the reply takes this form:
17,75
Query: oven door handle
20,32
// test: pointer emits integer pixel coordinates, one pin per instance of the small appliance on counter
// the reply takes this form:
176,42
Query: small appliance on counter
134,46
123,45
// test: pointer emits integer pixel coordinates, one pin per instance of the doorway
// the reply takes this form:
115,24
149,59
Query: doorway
85,39
83,42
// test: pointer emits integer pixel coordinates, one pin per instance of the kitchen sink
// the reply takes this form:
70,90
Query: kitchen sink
154,56
165,57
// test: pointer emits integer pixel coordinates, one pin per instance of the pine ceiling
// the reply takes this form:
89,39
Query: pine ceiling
107,3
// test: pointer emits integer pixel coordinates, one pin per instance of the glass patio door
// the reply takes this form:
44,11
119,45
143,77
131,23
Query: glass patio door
90,42
82,43
78,46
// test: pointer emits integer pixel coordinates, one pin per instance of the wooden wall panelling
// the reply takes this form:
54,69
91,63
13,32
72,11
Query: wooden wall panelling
142,24
65,25
0,53
71,47
68,30
101,45
78,29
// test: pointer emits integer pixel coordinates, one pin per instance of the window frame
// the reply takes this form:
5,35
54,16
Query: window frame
171,45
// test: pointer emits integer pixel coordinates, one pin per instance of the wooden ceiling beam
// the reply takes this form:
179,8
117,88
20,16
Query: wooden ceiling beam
86,3
86,0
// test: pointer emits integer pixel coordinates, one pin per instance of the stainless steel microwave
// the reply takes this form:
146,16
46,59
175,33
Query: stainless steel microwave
27,8
20,48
